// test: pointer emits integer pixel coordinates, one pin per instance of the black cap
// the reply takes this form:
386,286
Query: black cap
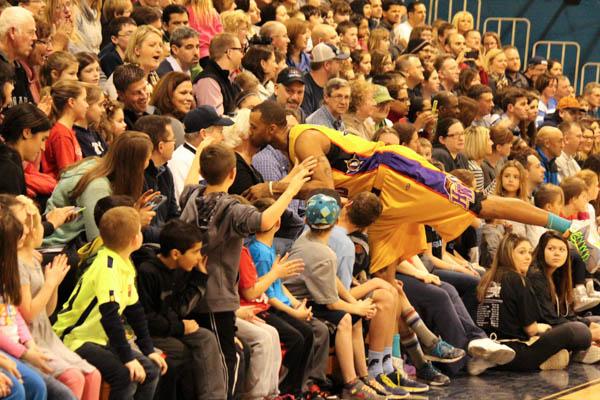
204,117
290,75
537,60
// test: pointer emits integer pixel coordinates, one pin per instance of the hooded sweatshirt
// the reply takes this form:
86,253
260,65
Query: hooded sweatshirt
225,222
156,285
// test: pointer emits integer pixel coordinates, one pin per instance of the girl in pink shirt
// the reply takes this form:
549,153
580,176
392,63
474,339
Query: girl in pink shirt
204,18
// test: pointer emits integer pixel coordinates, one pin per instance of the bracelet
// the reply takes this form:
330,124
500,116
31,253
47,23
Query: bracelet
271,187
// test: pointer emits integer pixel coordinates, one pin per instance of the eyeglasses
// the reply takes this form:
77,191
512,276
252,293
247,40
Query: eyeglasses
340,97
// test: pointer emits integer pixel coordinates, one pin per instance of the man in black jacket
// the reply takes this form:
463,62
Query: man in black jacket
157,175
170,282
214,86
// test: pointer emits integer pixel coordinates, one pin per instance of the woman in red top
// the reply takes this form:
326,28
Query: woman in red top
68,105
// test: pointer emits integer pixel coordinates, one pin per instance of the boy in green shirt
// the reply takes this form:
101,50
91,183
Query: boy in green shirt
90,321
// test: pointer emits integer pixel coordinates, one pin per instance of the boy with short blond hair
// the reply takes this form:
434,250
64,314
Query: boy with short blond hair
90,322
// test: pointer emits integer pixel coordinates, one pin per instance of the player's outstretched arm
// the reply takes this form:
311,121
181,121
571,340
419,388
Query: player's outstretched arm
520,211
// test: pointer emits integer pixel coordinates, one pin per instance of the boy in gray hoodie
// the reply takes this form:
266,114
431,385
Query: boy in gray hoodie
225,223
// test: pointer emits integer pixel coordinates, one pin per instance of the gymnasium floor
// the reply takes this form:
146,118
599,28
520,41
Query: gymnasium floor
580,382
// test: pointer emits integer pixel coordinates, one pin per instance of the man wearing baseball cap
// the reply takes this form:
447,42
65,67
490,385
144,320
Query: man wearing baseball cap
567,110
535,67
289,90
200,123
325,65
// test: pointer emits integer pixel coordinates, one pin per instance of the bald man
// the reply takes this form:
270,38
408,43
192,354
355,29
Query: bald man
549,144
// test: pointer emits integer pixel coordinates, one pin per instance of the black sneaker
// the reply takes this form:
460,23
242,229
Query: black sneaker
407,384
428,373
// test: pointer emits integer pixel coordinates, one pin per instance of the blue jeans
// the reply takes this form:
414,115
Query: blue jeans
443,311
33,386
465,285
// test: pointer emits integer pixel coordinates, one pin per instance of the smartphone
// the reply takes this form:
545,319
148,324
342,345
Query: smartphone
474,55
434,107
156,202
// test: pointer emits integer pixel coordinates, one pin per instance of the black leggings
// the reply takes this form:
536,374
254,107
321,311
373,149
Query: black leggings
297,337
579,270
572,336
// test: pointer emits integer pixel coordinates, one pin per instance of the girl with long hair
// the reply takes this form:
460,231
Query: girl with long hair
89,68
299,32
38,300
260,60
16,378
114,124
120,171
361,63
509,310
552,282
68,105
204,18
59,66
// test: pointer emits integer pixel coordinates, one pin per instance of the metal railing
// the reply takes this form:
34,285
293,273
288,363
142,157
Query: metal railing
434,8
563,46
514,22
584,68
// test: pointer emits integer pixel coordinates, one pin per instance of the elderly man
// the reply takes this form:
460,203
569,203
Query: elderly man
565,163
17,36
336,101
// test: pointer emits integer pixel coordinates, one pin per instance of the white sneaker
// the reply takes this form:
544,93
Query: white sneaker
477,366
582,301
591,292
559,360
589,356
491,351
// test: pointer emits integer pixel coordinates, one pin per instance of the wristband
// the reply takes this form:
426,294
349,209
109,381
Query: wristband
557,223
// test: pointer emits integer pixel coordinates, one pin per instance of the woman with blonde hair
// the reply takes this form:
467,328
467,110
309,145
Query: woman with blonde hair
478,145
360,109
144,49
61,15
238,23
463,22
204,18
495,68
87,35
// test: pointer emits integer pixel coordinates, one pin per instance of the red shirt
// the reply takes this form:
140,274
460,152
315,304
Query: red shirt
62,150
248,278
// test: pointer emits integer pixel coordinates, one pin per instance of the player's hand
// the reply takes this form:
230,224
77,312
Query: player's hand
137,373
56,271
189,326
258,191
36,358
158,359
5,385
60,216
284,268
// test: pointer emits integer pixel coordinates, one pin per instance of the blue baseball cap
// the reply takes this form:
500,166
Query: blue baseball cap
322,211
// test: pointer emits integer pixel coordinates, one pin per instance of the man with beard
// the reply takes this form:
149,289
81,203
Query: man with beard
289,90
405,182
